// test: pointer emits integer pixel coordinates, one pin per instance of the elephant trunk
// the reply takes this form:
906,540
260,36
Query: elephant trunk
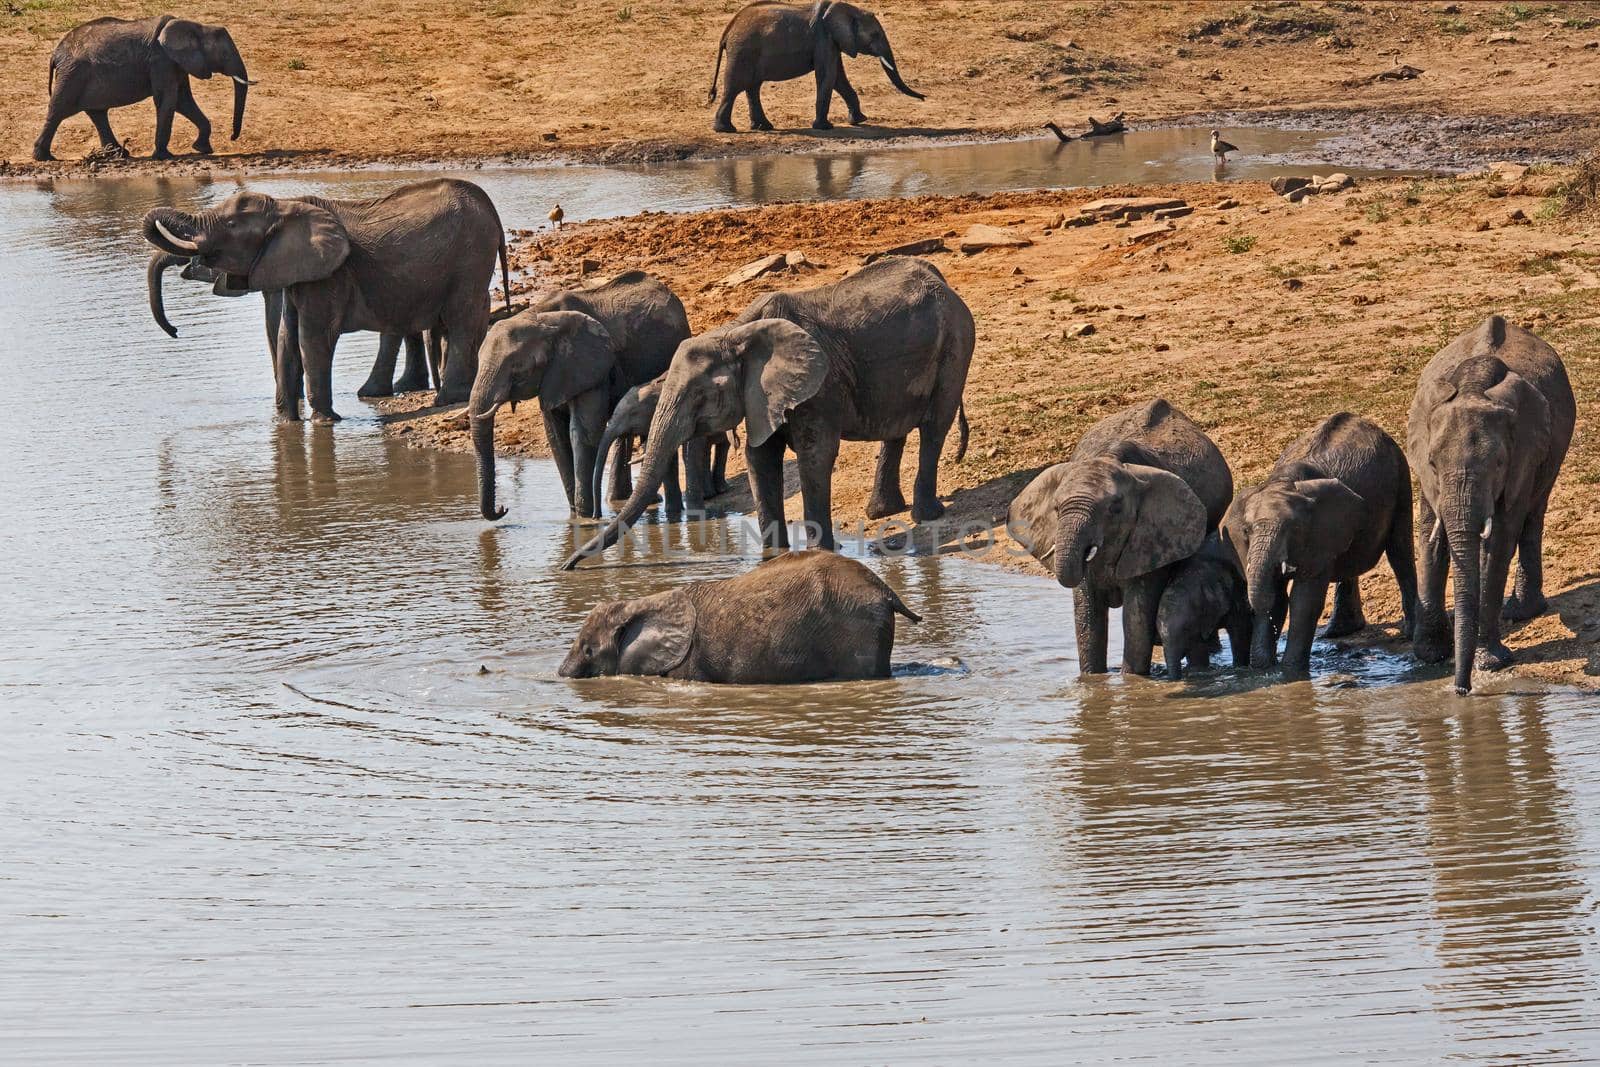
177,232
1261,574
233,67
1076,546
1173,654
607,440
483,445
668,431
153,271
1462,534
893,71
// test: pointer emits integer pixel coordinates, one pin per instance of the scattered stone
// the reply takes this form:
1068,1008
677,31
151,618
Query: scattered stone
1517,218
797,261
1507,171
1227,203
1403,73
1162,346
1502,38
588,266
751,271
1294,196
1285,184
980,238
1294,285
926,246
1056,223
551,137
1213,76
1120,206
1173,212
1481,225
1333,183
1162,267
1362,300
1016,271
1348,239
1078,329
1146,233
1088,309
1129,316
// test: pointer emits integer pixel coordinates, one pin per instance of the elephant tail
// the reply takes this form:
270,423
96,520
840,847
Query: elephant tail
722,46
900,608
505,270
50,81
961,422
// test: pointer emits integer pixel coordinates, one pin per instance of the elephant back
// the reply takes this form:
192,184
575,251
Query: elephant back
1523,352
1156,434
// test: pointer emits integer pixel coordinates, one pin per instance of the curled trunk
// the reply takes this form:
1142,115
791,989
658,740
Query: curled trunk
173,231
153,271
483,445
893,71
600,457
664,441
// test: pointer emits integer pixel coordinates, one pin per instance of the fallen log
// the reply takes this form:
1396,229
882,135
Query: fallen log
1096,128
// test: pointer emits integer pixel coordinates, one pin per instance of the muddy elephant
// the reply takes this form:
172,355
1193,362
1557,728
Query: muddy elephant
1141,491
705,459
567,361
420,258
111,63
869,358
772,42
801,617
1204,594
1337,499
1489,427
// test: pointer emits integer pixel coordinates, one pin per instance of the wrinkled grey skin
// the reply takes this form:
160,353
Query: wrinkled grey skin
567,361
705,459
420,258
380,382
1140,493
111,63
801,617
1205,593
769,42
1338,498
869,358
1489,427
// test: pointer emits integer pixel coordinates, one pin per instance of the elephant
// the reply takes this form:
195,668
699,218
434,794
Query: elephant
420,361
1337,499
1139,494
566,360
868,358
1204,594
800,617
705,459
112,62
1489,427
769,42
420,258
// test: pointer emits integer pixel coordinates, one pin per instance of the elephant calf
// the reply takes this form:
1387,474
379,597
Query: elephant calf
705,459
1337,499
1205,593
802,617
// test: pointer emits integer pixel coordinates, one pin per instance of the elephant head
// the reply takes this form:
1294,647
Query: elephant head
202,51
1297,522
853,32
554,356
255,242
630,418
1101,518
1483,434
756,372
651,635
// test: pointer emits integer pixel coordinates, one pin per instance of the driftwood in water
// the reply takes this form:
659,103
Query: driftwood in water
1096,127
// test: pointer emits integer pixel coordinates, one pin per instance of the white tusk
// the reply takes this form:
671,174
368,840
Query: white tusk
1438,529
242,81
179,242
1488,527
489,414
1094,550
887,65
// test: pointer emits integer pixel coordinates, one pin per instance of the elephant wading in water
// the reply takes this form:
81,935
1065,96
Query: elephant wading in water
869,358
705,459
802,617
1205,593
773,42
1139,494
1337,499
1489,428
420,258
111,63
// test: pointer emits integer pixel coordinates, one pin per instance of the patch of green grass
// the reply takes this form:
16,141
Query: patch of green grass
1540,265
1063,294
626,14
297,63
1550,206
1378,211
1239,242
1456,26
1414,193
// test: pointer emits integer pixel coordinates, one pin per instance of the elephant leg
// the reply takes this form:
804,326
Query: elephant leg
847,93
588,422
380,380
316,353
1347,618
758,115
816,486
1527,597
826,75
1140,599
696,462
1493,655
886,497
166,107
288,365
1431,639
764,465
674,494
558,432
58,112
1306,599
435,338
1090,618
925,505
1403,559
414,378
717,481
191,111
102,126
622,470
1238,624
465,330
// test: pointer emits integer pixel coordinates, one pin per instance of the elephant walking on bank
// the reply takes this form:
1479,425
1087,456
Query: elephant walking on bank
769,42
420,258
869,358
1489,428
1338,498
1141,491
112,62
801,617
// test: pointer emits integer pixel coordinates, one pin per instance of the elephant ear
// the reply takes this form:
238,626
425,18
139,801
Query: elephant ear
838,23
783,368
1234,546
1031,519
580,357
1529,415
1333,517
1170,525
655,636
305,244
180,40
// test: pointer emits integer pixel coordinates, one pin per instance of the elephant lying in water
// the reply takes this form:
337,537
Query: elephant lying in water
801,617
1139,494
1489,427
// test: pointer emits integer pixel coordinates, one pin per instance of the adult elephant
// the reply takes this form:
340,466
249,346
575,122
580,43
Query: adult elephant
111,63
1139,494
1489,427
869,358
420,258
771,42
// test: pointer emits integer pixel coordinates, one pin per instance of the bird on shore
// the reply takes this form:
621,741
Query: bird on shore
556,215
1221,148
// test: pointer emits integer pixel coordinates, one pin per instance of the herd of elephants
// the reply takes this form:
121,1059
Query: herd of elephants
1143,515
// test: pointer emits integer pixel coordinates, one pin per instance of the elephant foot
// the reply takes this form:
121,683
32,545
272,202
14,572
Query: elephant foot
163,154
204,148
326,418
369,390
1431,645
724,127
719,487
882,505
407,385
42,155
858,120
927,511
822,124
446,396
1495,657
764,126
1344,626
1518,610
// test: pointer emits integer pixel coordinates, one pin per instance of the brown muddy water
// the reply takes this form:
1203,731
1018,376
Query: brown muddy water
261,805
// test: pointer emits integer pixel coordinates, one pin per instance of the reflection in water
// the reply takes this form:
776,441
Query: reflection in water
291,776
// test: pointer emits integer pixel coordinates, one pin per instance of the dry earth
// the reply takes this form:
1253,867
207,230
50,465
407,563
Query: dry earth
1258,319
345,81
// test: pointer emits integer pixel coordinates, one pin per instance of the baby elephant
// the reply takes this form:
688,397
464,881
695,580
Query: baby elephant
1206,593
802,617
